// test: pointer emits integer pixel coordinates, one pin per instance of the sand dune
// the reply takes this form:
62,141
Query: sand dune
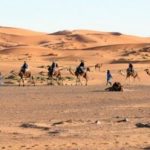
13,41
77,38
18,31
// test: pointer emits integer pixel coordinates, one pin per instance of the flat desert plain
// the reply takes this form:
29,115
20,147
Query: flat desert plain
74,118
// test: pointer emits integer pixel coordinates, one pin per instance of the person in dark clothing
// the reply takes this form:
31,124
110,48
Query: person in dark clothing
53,67
81,64
24,67
130,68
81,67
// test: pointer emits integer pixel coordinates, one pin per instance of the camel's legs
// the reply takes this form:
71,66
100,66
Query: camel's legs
19,82
78,80
134,78
58,78
86,82
128,79
52,81
86,79
60,81
23,82
48,81
137,76
33,80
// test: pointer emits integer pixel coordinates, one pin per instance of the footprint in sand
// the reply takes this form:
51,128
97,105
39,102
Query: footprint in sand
117,142
35,145
74,144
22,146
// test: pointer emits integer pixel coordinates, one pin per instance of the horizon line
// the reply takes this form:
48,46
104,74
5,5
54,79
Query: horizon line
75,29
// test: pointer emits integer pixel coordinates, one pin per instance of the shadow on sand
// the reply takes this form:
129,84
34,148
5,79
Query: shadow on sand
99,91
147,148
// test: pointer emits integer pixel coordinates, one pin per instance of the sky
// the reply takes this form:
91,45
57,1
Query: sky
125,16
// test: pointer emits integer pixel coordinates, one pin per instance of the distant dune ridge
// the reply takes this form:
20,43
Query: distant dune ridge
75,44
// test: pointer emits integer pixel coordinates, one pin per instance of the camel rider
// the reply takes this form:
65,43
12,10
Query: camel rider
53,68
24,67
130,68
81,67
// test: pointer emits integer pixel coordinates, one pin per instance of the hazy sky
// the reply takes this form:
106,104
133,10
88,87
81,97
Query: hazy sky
126,16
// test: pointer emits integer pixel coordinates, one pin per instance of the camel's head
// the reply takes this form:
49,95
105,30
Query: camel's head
12,71
88,69
121,72
100,65
147,70
69,68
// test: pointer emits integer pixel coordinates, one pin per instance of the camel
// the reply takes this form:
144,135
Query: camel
147,71
115,87
129,74
98,66
57,75
25,75
133,74
79,75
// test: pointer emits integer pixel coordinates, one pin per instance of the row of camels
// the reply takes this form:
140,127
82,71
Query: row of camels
58,75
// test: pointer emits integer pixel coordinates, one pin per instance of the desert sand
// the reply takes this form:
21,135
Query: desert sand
73,117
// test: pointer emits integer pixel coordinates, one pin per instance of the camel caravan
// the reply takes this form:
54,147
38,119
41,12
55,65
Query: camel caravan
80,73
